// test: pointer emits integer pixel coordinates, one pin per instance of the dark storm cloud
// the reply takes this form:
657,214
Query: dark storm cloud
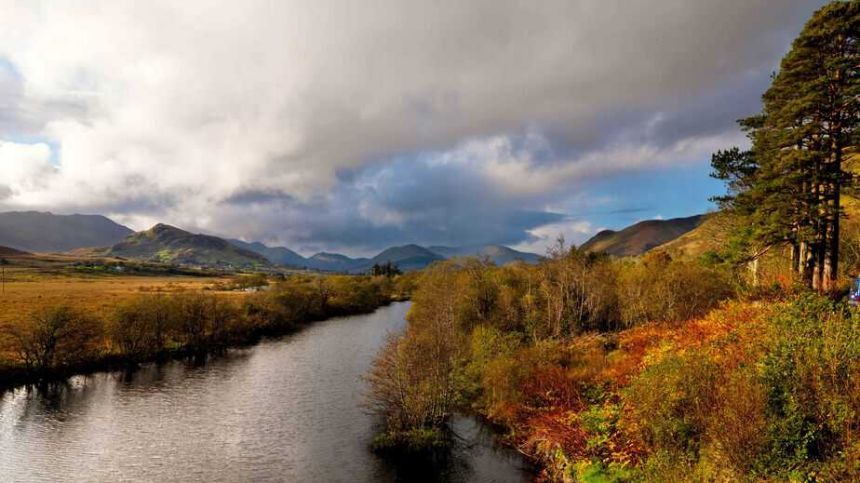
256,196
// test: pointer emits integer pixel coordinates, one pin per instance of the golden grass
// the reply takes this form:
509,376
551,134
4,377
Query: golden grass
27,290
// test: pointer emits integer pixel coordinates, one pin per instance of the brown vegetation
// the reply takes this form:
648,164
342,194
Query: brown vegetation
53,325
607,370
478,334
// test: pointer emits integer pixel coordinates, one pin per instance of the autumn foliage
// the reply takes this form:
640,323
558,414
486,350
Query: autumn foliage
705,387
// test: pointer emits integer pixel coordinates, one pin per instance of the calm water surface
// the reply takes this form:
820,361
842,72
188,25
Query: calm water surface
284,410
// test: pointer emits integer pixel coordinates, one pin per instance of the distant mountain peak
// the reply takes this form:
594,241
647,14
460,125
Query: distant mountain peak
169,244
498,254
329,256
163,227
42,231
640,237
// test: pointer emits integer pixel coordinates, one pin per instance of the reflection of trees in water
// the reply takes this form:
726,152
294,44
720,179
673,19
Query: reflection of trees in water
472,443
445,465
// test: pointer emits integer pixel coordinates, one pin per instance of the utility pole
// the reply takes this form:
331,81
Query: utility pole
3,263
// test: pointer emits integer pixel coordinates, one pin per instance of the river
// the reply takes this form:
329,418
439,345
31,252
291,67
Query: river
287,409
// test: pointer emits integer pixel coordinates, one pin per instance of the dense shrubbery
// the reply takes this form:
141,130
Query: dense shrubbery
478,333
57,339
617,370
789,409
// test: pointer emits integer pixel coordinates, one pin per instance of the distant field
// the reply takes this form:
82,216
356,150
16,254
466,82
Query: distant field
96,294
34,283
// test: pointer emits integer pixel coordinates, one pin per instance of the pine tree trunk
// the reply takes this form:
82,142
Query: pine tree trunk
806,263
820,256
833,248
753,267
795,257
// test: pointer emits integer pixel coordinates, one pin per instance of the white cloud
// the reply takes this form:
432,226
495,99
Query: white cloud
163,110
574,232
24,169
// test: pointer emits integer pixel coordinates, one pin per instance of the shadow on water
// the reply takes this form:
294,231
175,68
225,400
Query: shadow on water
474,455
284,410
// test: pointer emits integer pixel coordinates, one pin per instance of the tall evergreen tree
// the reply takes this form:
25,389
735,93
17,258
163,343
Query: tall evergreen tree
789,184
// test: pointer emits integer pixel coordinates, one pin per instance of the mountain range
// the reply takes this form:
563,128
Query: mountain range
640,237
406,257
46,232
95,234
98,235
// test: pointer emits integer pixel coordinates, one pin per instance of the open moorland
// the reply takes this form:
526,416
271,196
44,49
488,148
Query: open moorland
35,281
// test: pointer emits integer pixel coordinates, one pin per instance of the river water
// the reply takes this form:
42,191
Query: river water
284,410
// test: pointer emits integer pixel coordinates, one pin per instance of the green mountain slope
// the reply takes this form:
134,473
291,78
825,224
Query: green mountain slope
406,257
168,244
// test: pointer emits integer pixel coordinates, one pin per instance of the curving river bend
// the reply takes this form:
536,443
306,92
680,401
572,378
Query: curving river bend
284,410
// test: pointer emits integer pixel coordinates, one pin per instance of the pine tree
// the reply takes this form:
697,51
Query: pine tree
789,184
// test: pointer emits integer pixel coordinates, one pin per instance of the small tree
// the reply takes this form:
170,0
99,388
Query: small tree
56,336
386,269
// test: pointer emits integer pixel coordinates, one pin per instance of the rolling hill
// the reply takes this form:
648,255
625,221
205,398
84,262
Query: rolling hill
35,231
711,234
499,254
640,237
715,231
335,262
406,257
11,252
277,255
168,244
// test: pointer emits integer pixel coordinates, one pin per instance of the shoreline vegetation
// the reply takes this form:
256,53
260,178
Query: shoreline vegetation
602,369
61,339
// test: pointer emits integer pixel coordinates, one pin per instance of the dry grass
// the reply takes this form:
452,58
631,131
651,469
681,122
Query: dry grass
50,282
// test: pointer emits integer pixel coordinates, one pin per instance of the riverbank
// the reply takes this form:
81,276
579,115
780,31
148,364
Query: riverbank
759,386
286,409
60,339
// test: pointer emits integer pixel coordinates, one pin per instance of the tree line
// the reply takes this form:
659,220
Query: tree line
59,339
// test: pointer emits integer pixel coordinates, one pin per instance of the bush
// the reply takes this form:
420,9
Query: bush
413,380
737,427
659,289
491,355
671,401
268,311
55,337
812,375
140,326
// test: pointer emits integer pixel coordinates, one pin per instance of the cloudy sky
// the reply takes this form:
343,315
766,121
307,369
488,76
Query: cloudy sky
353,125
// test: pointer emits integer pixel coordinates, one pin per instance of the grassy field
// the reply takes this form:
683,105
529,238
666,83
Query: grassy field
95,294
47,280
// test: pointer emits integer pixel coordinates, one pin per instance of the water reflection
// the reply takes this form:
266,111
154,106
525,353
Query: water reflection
285,410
